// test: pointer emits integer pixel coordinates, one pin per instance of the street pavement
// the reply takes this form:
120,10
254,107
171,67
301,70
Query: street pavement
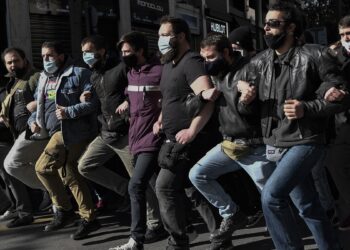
115,231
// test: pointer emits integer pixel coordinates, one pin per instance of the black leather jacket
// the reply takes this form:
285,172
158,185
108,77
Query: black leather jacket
236,120
344,65
312,71
109,82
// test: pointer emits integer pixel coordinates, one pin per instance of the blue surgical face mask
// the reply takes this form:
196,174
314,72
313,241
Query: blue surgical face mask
50,66
89,58
164,44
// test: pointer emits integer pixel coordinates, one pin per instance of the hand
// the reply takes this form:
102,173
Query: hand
60,112
210,94
85,96
34,127
334,95
122,108
157,127
248,95
31,106
242,86
293,109
185,136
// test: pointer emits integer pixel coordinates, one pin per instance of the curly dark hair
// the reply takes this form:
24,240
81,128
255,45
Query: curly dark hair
291,15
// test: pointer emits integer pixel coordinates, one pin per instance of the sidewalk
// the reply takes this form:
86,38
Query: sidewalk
115,231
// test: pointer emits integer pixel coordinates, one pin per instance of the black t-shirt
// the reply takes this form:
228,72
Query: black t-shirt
175,87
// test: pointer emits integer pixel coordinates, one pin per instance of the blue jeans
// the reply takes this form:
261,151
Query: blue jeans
292,178
215,163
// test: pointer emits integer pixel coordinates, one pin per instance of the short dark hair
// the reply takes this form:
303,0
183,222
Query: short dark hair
137,40
344,22
19,51
56,45
220,42
291,15
97,40
178,24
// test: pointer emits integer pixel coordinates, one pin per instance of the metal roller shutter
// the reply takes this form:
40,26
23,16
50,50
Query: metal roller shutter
152,36
48,28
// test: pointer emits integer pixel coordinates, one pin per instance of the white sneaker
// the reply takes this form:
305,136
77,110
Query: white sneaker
131,245
8,215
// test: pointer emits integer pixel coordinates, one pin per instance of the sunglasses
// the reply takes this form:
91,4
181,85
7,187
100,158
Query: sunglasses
274,23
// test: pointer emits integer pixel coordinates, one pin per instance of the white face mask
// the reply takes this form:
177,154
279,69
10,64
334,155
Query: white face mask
346,45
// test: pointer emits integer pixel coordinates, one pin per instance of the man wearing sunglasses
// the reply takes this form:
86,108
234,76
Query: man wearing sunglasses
295,86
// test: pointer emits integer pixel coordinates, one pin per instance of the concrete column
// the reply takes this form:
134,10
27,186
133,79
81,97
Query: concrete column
75,16
125,17
172,7
18,26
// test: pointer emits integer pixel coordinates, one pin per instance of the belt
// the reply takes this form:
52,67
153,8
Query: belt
244,141
143,88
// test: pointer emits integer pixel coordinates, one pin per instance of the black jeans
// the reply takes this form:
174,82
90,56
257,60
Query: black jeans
144,173
172,187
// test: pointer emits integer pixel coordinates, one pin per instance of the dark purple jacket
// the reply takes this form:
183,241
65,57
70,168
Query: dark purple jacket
144,107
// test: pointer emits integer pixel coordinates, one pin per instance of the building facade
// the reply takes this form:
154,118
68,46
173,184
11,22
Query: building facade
30,23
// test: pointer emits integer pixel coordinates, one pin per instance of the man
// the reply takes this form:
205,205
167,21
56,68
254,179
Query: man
185,111
109,79
338,160
14,115
295,85
242,41
70,125
143,102
242,147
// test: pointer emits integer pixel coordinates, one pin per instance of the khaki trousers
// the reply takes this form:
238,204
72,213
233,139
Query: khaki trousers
58,166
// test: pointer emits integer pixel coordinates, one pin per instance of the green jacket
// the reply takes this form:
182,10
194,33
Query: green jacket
20,94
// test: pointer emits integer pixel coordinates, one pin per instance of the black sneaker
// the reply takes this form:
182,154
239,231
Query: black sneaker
254,219
223,245
85,228
228,226
154,235
21,221
60,220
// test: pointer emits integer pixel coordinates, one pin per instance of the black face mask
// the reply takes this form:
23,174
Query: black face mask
130,60
213,68
275,41
18,73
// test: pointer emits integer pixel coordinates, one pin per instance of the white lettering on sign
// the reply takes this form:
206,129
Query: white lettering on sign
150,5
220,28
